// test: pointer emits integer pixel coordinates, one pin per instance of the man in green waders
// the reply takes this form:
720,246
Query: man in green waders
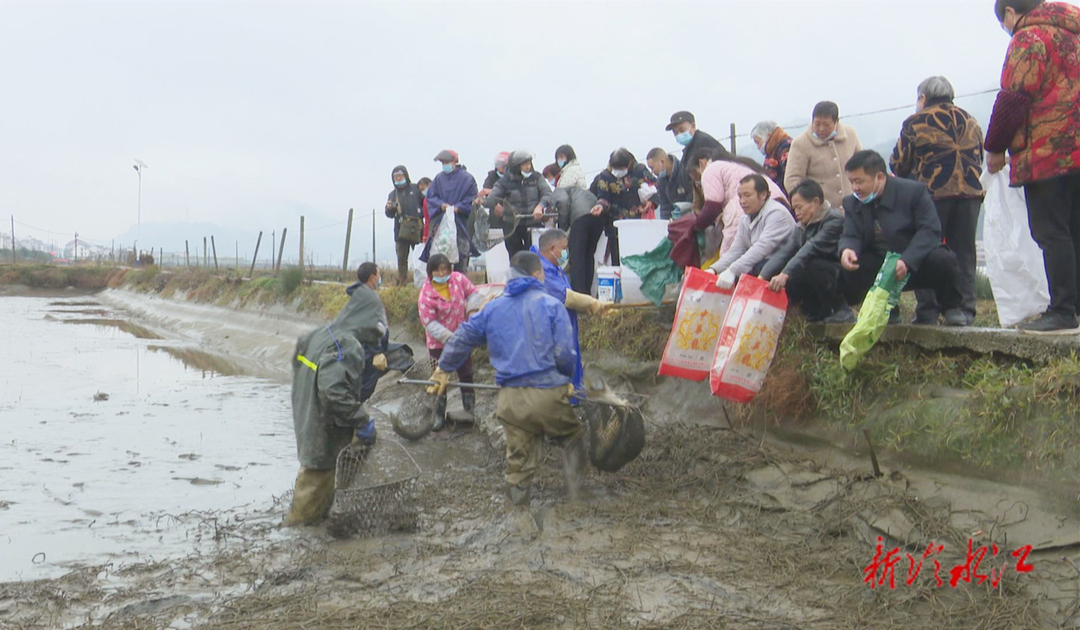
335,370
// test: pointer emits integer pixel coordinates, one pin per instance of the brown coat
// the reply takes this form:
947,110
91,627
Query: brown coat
823,161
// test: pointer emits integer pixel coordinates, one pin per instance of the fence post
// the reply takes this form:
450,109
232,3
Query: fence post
205,258
161,256
214,246
187,255
256,256
373,256
14,260
734,149
301,246
348,237
281,251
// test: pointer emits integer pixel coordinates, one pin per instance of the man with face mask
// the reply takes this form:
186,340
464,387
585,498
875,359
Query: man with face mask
554,254
527,194
531,344
451,195
663,165
684,128
888,214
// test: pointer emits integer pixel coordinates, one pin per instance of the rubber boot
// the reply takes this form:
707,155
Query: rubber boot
468,401
313,496
440,414
519,496
574,464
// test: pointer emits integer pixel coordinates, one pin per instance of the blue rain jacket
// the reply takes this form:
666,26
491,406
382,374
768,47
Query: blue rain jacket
528,334
556,284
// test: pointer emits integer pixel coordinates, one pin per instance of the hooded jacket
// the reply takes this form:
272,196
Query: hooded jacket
557,284
758,238
823,161
818,239
1035,116
528,335
407,201
521,194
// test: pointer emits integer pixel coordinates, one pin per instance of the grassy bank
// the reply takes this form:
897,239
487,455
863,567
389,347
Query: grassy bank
61,277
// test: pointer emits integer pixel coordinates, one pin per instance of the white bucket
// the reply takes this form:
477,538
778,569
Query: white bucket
609,284
498,264
639,236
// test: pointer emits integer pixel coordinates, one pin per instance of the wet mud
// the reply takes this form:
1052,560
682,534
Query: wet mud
711,527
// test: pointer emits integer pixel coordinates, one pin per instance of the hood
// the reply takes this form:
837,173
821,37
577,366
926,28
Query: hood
1053,14
352,288
408,180
517,286
841,135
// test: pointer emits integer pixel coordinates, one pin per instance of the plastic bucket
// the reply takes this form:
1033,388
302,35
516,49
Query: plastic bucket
497,261
609,284
638,236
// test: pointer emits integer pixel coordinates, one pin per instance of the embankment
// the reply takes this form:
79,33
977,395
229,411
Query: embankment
963,405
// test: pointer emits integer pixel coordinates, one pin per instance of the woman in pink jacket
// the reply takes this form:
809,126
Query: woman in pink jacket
720,185
444,303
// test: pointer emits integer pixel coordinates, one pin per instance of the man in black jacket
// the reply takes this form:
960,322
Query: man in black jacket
887,214
405,205
808,264
663,165
686,133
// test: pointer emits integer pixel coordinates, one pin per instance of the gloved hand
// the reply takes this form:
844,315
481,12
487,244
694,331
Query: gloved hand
580,302
379,362
725,280
598,307
571,391
441,379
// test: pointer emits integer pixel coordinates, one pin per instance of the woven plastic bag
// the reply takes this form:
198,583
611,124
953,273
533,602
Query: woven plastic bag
696,330
873,314
1014,263
445,240
748,340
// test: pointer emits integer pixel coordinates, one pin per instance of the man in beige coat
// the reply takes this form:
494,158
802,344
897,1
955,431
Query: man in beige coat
821,153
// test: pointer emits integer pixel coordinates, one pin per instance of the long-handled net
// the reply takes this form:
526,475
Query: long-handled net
616,428
373,490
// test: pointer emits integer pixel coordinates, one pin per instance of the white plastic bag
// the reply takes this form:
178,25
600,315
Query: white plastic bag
445,240
1014,263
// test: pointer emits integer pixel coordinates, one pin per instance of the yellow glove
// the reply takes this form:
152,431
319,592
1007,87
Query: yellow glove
440,379
379,362
599,307
580,302
570,390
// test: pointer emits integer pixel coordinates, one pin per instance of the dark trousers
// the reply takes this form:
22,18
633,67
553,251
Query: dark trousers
959,218
1054,218
464,373
816,288
939,273
404,248
613,243
585,233
520,240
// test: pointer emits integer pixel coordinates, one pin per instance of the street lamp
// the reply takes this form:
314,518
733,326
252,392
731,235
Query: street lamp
139,166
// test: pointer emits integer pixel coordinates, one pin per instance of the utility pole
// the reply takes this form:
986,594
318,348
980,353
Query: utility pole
256,256
214,246
348,237
139,166
301,245
76,247
14,260
734,150
273,246
281,250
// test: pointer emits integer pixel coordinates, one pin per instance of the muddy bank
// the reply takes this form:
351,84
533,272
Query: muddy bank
712,527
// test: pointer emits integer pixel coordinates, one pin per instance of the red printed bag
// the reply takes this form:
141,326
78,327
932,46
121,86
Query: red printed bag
696,330
748,340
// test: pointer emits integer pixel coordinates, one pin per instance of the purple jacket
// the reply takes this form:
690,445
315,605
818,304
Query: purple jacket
457,189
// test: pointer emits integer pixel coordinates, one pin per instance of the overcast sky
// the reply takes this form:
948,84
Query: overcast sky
251,114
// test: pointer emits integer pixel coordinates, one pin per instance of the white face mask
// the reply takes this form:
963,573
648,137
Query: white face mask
620,172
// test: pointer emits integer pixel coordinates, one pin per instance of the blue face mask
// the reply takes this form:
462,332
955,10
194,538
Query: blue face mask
564,257
441,279
551,182
399,184
867,199
561,163
662,173
378,283
525,175
448,168
684,138
831,136
424,193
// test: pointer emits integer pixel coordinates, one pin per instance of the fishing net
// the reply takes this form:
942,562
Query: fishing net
487,229
373,490
616,429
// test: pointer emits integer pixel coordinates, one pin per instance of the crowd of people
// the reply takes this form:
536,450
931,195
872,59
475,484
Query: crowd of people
816,219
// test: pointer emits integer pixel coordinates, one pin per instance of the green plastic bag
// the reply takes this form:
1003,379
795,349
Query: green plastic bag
873,314
656,270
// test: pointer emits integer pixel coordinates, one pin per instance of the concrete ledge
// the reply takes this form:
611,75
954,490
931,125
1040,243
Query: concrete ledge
993,341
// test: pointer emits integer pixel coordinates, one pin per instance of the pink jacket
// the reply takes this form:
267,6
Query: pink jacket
720,183
439,317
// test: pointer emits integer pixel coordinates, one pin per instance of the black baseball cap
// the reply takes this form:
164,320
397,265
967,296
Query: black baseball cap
680,117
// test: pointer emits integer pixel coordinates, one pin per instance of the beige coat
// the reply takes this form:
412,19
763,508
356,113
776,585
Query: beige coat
823,161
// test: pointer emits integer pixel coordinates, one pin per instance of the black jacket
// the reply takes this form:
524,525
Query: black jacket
670,192
521,194
701,140
619,194
406,201
817,240
903,219
491,179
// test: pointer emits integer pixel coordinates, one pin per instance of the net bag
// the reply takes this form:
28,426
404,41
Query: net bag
373,491
616,429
